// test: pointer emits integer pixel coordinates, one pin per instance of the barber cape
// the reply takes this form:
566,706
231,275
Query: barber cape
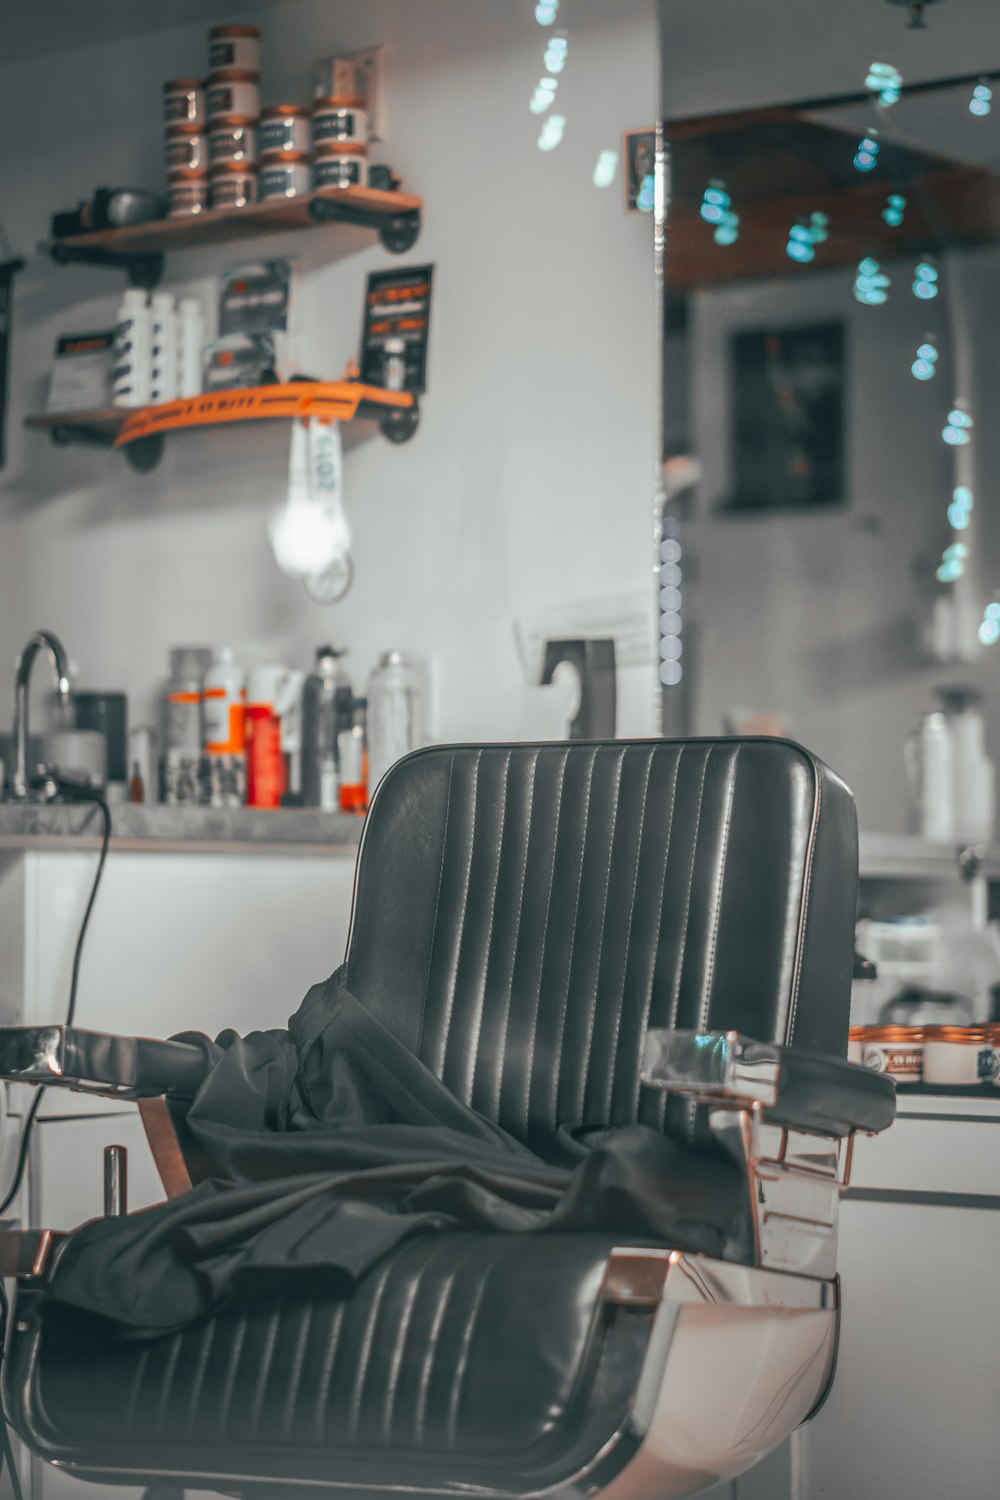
331,1143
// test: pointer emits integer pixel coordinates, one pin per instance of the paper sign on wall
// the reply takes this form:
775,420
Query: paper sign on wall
394,336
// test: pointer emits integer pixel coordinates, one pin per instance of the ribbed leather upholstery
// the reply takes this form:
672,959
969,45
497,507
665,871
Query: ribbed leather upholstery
523,914
462,1344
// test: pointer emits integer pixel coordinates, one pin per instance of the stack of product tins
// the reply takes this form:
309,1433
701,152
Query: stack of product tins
283,142
340,133
210,126
943,1056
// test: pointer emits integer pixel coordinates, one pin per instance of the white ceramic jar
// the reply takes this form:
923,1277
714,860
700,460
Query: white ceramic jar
186,151
233,92
232,138
284,177
340,120
184,102
896,1050
232,185
339,166
959,1056
284,130
186,194
234,47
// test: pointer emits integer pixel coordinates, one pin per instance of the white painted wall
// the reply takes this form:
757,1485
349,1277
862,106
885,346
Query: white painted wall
531,479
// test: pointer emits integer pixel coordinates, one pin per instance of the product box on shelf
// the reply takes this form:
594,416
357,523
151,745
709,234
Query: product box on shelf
81,371
338,76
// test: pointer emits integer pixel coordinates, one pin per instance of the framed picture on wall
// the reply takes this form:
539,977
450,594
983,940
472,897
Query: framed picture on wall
640,169
787,418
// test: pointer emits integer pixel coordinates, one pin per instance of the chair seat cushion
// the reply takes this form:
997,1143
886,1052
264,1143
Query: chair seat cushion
462,1351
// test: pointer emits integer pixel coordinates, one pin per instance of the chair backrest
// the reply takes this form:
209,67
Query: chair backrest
523,913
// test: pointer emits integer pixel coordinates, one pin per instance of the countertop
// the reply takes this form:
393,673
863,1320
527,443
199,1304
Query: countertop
135,826
306,830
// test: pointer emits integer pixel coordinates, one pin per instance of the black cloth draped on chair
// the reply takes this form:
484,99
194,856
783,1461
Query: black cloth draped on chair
331,1143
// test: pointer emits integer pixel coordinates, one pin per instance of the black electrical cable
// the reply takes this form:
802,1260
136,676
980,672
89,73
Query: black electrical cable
78,792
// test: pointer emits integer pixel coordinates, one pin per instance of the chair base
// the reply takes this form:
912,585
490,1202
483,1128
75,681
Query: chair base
762,1342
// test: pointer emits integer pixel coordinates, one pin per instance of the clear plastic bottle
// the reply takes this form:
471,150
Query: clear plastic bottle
393,713
183,733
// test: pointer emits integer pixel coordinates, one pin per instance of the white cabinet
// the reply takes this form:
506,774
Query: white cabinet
177,941
914,1405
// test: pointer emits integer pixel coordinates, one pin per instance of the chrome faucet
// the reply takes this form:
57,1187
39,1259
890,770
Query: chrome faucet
42,640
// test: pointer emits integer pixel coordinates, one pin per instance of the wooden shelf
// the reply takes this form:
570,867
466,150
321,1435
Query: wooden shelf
102,421
139,248
141,430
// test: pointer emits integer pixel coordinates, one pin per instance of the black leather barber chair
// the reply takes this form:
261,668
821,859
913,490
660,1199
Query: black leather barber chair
645,931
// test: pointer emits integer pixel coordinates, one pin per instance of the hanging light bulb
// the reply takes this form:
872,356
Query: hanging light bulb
982,100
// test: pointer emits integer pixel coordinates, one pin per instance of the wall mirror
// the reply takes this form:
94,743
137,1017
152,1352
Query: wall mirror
831,362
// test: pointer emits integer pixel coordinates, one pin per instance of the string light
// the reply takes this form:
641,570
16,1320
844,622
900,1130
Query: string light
958,431
925,279
885,81
671,623
989,630
544,95
952,564
545,12
728,232
555,53
866,156
982,100
552,132
895,206
800,245
715,203
716,208
803,238
607,166
961,508
646,196
871,284
818,227
923,367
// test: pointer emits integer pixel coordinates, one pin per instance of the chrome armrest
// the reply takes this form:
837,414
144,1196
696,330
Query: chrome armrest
804,1091
789,1117
94,1062
719,1066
